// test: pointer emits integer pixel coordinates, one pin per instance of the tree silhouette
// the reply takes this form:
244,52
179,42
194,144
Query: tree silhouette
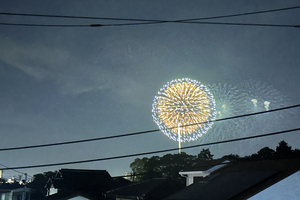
166,166
205,154
39,182
266,153
231,157
283,150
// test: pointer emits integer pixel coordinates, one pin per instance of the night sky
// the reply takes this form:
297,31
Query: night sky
70,83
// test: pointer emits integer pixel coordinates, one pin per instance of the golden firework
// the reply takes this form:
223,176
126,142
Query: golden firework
184,110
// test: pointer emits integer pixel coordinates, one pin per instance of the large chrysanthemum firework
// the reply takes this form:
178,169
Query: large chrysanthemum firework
184,110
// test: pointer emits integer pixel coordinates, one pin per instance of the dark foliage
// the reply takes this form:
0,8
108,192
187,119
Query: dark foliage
166,166
231,157
205,154
283,151
169,165
39,182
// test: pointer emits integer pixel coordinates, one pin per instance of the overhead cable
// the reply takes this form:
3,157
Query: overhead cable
141,132
150,152
15,170
148,20
147,23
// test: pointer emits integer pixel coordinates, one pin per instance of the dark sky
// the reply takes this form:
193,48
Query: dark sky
61,83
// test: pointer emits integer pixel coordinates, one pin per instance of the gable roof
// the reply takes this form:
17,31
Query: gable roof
82,180
239,180
120,182
206,164
156,188
69,195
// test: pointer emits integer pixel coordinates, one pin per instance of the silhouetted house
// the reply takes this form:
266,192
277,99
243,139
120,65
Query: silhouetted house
120,182
71,196
235,180
15,192
202,169
153,189
80,184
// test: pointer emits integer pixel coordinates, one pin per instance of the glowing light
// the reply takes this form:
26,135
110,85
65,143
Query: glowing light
267,103
260,97
184,110
254,101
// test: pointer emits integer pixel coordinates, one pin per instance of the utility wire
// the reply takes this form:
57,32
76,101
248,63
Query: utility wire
15,170
148,20
50,25
141,132
243,14
150,152
197,22
147,23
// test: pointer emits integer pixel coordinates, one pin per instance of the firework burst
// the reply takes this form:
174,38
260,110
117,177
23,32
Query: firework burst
184,109
228,100
262,97
244,98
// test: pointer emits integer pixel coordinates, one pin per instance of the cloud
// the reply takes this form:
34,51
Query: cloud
72,75
58,64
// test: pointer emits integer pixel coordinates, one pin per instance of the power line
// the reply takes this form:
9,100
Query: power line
77,141
15,170
49,25
245,24
141,132
151,152
148,20
147,23
197,22
244,14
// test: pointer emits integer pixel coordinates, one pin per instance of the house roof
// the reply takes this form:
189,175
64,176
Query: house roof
120,182
69,195
156,188
9,187
239,180
89,184
206,164
82,180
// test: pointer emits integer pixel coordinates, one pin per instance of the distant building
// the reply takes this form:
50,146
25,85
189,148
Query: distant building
15,192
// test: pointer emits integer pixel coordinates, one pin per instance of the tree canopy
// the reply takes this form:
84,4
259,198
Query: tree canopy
283,151
169,165
38,183
166,166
